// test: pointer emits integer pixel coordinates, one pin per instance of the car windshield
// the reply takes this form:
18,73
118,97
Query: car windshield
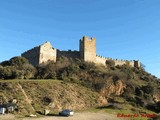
67,110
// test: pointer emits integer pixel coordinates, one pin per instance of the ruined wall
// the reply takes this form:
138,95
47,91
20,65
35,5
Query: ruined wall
87,52
69,54
132,63
47,53
88,49
40,54
137,63
119,62
101,60
32,55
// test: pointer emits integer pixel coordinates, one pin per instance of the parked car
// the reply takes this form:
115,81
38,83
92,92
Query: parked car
2,109
66,112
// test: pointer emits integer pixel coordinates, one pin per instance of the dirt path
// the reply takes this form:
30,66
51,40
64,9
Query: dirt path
77,116
81,116
7,117
26,97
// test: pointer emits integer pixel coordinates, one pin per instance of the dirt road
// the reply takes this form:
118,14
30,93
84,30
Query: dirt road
77,116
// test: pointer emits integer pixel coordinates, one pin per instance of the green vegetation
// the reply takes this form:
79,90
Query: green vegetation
16,68
47,94
76,84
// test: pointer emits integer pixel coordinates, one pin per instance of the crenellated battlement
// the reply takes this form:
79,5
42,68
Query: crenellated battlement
102,60
87,52
85,38
88,49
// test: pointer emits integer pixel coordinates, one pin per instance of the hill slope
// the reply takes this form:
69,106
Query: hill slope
37,95
80,85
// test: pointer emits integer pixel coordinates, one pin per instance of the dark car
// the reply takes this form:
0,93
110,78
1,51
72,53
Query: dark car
66,112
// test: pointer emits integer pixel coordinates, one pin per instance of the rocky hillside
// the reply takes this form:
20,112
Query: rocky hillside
37,95
78,85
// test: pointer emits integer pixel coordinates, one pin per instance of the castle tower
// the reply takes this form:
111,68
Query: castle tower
137,64
40,54
88,49
47,53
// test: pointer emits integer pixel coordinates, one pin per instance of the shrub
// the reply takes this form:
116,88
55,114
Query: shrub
110,63
6,72
46,100
149,89
139,92
88,66
18,61
47,72
29,71
17,67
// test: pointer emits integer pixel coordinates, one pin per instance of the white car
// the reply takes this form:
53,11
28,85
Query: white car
66,112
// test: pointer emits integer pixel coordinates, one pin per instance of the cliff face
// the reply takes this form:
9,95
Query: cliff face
113,87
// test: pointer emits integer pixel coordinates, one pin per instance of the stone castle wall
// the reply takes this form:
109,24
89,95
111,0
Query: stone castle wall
120,62
41,54
45,52
101,60
69,54
32,55
132,63
88,49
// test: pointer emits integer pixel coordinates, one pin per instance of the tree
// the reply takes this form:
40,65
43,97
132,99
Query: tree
18,61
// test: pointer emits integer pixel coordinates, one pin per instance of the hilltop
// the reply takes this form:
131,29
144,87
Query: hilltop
78,85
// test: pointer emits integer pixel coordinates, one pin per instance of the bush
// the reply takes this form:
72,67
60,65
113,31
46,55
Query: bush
139,92
46,100
18,61
7,72
17,67
47,72
110,63
148,89
88,66
29,71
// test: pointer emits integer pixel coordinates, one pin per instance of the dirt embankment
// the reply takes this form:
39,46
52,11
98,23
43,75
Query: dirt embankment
36,95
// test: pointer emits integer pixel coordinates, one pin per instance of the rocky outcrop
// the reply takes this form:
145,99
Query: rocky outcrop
113,87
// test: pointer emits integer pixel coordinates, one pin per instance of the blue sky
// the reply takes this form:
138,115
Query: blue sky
124,29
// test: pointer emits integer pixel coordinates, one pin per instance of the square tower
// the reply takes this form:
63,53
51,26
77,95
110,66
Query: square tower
88,49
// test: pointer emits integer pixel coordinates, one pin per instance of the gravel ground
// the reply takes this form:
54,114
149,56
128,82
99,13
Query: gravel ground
76,116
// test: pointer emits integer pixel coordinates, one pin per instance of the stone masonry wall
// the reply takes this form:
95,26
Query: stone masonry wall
87,52
40,54
32,55
68,54
119,62
102,60
88,49
47,53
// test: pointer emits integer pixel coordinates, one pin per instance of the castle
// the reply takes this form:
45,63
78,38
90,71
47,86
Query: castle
87,52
